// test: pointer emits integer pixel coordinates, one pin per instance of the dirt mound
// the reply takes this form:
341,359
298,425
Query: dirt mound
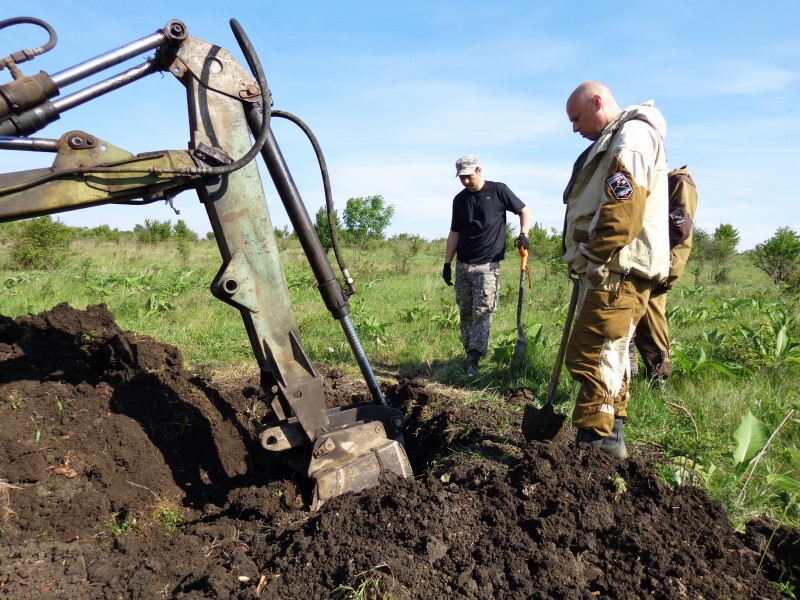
123,475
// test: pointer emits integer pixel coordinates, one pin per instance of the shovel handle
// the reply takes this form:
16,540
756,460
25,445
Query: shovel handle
523,265
523,259
562,349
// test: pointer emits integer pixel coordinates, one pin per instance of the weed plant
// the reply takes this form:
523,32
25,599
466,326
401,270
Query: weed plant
736,344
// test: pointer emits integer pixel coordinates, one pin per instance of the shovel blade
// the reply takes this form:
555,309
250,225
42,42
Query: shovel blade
540,424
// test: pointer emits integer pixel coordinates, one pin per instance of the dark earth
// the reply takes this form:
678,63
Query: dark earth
124,474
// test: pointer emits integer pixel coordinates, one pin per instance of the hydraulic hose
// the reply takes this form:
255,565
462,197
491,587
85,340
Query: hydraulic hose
329,287
326,183
26,55
255,66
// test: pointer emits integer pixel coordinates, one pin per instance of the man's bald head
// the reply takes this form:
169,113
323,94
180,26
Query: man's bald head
590,108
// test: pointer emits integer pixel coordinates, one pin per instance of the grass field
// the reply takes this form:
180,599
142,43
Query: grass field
736,345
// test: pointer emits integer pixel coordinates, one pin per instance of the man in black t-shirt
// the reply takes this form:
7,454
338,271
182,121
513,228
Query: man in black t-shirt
478,238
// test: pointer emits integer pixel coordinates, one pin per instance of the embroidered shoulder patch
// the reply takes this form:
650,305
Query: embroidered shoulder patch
619,186
678,217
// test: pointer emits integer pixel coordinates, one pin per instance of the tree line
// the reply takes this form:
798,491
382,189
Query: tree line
43,242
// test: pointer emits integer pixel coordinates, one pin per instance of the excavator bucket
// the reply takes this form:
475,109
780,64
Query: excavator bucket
363,445
359,458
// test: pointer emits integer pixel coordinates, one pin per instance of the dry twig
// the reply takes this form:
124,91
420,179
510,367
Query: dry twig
5,508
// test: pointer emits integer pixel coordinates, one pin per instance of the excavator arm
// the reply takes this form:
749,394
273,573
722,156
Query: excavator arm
343,449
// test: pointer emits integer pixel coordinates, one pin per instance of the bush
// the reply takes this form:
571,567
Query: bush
793,280
724,243
159,231
715,251
9,231
545,245
323,227
41,244
153,231
182,232
404,248
511,235
104,232
284,234
366,219
779,256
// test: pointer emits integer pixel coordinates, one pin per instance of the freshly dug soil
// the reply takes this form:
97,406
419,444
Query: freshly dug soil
125,475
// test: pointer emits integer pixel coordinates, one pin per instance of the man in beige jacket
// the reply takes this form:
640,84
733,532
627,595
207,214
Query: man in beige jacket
616,241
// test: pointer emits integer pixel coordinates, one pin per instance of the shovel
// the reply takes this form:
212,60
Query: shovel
545,423
522,343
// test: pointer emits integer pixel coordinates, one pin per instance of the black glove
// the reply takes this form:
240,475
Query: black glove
522,242
447,274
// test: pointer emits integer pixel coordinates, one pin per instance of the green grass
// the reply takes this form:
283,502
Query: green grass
739,343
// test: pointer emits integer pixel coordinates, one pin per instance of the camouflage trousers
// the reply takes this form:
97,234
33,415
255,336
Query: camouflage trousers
477,288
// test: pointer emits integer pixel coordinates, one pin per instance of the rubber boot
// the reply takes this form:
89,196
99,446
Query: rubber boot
471,365
612,444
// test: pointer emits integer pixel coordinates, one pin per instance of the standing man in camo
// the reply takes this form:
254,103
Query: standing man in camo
477,239
616,240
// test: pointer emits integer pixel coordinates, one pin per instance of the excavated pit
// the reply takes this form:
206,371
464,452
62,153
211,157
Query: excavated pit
125,475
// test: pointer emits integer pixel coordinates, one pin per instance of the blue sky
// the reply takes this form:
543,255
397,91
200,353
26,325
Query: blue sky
395,92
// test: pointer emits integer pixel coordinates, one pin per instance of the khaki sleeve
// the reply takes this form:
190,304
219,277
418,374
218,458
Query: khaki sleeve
621,216
682,206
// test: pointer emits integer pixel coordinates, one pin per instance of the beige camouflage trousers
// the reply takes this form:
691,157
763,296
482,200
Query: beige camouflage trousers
597,354
477,288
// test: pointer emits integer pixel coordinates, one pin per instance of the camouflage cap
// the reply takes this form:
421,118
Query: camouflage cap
466,165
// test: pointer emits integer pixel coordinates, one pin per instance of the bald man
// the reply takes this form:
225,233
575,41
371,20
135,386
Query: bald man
616,240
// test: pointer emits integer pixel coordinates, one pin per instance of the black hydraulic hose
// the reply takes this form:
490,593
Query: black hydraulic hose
255,65
326,183
26,55
329,287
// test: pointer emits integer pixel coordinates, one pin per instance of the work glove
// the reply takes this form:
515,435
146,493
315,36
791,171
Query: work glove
522,241
596,273
447,274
